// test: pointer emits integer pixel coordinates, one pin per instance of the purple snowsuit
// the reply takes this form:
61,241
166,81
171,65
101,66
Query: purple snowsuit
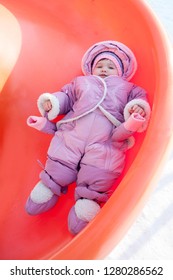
89,143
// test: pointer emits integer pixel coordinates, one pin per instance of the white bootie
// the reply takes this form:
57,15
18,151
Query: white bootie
41,193
86,209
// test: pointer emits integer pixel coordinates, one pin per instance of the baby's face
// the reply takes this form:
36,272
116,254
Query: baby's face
105,68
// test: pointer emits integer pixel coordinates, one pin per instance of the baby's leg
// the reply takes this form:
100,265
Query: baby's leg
100,167
93,185
54,181
60,171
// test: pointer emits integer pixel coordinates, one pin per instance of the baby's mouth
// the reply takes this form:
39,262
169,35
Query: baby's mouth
103,76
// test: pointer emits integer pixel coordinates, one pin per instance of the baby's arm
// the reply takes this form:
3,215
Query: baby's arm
58,103
50,106
138,103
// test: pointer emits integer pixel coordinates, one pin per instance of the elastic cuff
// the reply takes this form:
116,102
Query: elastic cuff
54,112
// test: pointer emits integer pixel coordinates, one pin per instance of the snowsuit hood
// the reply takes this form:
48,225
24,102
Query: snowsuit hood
124,55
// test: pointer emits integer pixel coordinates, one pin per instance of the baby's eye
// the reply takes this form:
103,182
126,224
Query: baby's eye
111,67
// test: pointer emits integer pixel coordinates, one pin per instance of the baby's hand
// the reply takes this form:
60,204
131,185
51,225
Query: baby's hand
137,109
47,105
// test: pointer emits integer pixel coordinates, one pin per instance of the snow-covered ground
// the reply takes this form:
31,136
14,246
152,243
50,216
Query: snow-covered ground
151,236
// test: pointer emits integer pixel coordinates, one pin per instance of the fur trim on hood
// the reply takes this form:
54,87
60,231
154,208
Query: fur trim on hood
124,54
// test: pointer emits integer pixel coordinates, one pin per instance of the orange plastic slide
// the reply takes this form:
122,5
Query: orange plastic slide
41,46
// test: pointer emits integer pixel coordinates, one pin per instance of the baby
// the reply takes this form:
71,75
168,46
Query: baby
102,111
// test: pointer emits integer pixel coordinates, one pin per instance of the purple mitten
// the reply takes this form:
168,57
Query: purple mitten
36,122
42,124
134,122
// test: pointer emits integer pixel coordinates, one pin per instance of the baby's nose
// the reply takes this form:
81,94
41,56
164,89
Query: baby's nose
104,69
